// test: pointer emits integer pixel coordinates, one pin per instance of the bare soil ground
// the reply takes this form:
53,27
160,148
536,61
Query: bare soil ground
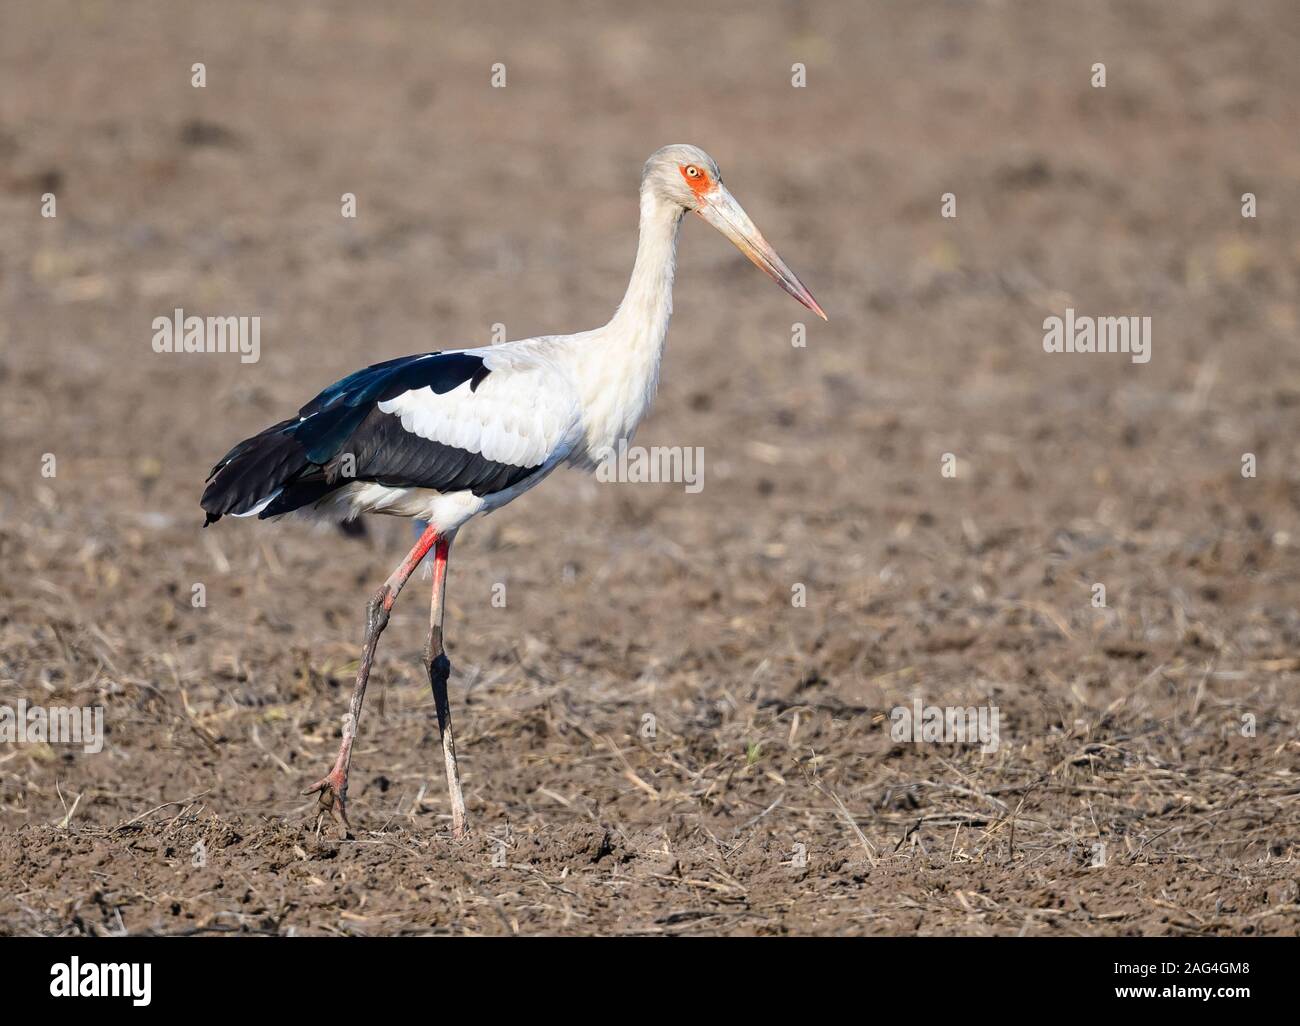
771,798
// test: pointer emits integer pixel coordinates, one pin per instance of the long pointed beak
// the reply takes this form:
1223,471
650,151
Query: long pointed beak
722,211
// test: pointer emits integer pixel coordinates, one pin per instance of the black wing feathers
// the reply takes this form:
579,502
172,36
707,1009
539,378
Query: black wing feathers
386,452
307,458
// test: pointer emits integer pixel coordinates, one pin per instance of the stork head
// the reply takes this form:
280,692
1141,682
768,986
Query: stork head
689,178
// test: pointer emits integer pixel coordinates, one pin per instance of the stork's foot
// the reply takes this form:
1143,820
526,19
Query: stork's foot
332,789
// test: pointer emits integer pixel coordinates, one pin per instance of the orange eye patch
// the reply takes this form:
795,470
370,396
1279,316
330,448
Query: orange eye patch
697,178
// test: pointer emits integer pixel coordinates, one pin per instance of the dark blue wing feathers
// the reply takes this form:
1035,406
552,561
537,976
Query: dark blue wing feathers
295,463
330,418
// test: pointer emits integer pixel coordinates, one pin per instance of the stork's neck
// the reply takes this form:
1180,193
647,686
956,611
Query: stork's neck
617,370
641,320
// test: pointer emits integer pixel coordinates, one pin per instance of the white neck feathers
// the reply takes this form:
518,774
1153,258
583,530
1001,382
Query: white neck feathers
618,370
647,305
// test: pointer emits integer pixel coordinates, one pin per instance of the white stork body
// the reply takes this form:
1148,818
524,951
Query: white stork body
451,435
526,414
545,401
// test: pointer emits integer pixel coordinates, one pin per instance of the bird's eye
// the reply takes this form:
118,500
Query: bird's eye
696,178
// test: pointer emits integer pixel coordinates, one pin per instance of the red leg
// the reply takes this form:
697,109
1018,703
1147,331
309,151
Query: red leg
439,672
333,787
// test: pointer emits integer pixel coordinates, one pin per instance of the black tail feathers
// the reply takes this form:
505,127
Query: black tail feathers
253,472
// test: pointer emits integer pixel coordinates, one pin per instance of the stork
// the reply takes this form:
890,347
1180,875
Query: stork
447,436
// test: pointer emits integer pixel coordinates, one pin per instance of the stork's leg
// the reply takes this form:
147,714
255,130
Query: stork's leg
333,787
439,672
